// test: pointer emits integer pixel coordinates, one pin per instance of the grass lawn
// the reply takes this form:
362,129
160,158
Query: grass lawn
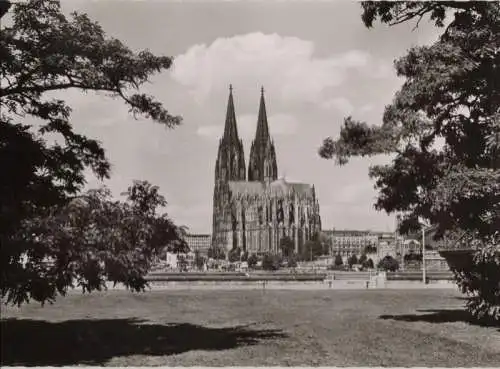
251,328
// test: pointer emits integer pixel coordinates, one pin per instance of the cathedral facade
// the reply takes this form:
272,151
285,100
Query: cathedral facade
254,213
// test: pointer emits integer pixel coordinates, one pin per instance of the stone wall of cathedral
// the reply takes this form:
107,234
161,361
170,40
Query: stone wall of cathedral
257,223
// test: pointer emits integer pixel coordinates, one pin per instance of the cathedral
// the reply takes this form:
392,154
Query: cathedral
254,213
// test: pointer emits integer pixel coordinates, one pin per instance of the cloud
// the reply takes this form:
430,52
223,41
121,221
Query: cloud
341,104
287,66
366,108
212,131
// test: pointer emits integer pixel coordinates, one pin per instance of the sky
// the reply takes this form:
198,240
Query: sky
316,61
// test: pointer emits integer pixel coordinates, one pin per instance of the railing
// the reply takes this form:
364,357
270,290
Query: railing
417,276
349,276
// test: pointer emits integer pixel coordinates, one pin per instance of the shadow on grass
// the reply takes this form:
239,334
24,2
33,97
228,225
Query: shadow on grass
441,316
93,342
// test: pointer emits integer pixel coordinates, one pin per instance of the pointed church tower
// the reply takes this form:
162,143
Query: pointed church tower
262,166
230,164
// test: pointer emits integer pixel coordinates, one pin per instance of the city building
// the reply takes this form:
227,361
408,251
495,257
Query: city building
349,242
199,242
388,245
254,213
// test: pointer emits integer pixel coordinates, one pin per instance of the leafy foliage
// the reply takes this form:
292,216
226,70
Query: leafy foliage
43,52
412,257
244,256
388,263
368,264
291,261
338,260
199,260
478,275
352,260
451,94
252,261
287,246
91,240
443,128
234,255
313,248
271,262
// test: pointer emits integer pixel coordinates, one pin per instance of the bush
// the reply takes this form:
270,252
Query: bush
338,260
252,261
234,255
292,261
287,246
478,276
271,262
199,260
244,256
388,263
352,260
368,264
412,257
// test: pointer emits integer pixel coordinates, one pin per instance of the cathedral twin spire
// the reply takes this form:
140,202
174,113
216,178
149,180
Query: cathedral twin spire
230,128
230,164
262,165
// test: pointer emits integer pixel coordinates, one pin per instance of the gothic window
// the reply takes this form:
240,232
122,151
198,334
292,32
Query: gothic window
260,215
291,215
234,220
279,213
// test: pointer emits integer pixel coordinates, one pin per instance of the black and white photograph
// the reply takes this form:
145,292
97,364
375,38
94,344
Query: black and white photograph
250,183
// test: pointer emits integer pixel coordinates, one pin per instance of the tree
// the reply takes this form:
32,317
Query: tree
362,259
234,255
352,260
271,262
368,264
244,256
179,246
252,261
199,260
388,263
91,240
313,248
442,128
412,257
338,260
182,263
216,253
44,52
292,261
287,246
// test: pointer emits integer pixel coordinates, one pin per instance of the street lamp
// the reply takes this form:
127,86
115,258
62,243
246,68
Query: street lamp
424,226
